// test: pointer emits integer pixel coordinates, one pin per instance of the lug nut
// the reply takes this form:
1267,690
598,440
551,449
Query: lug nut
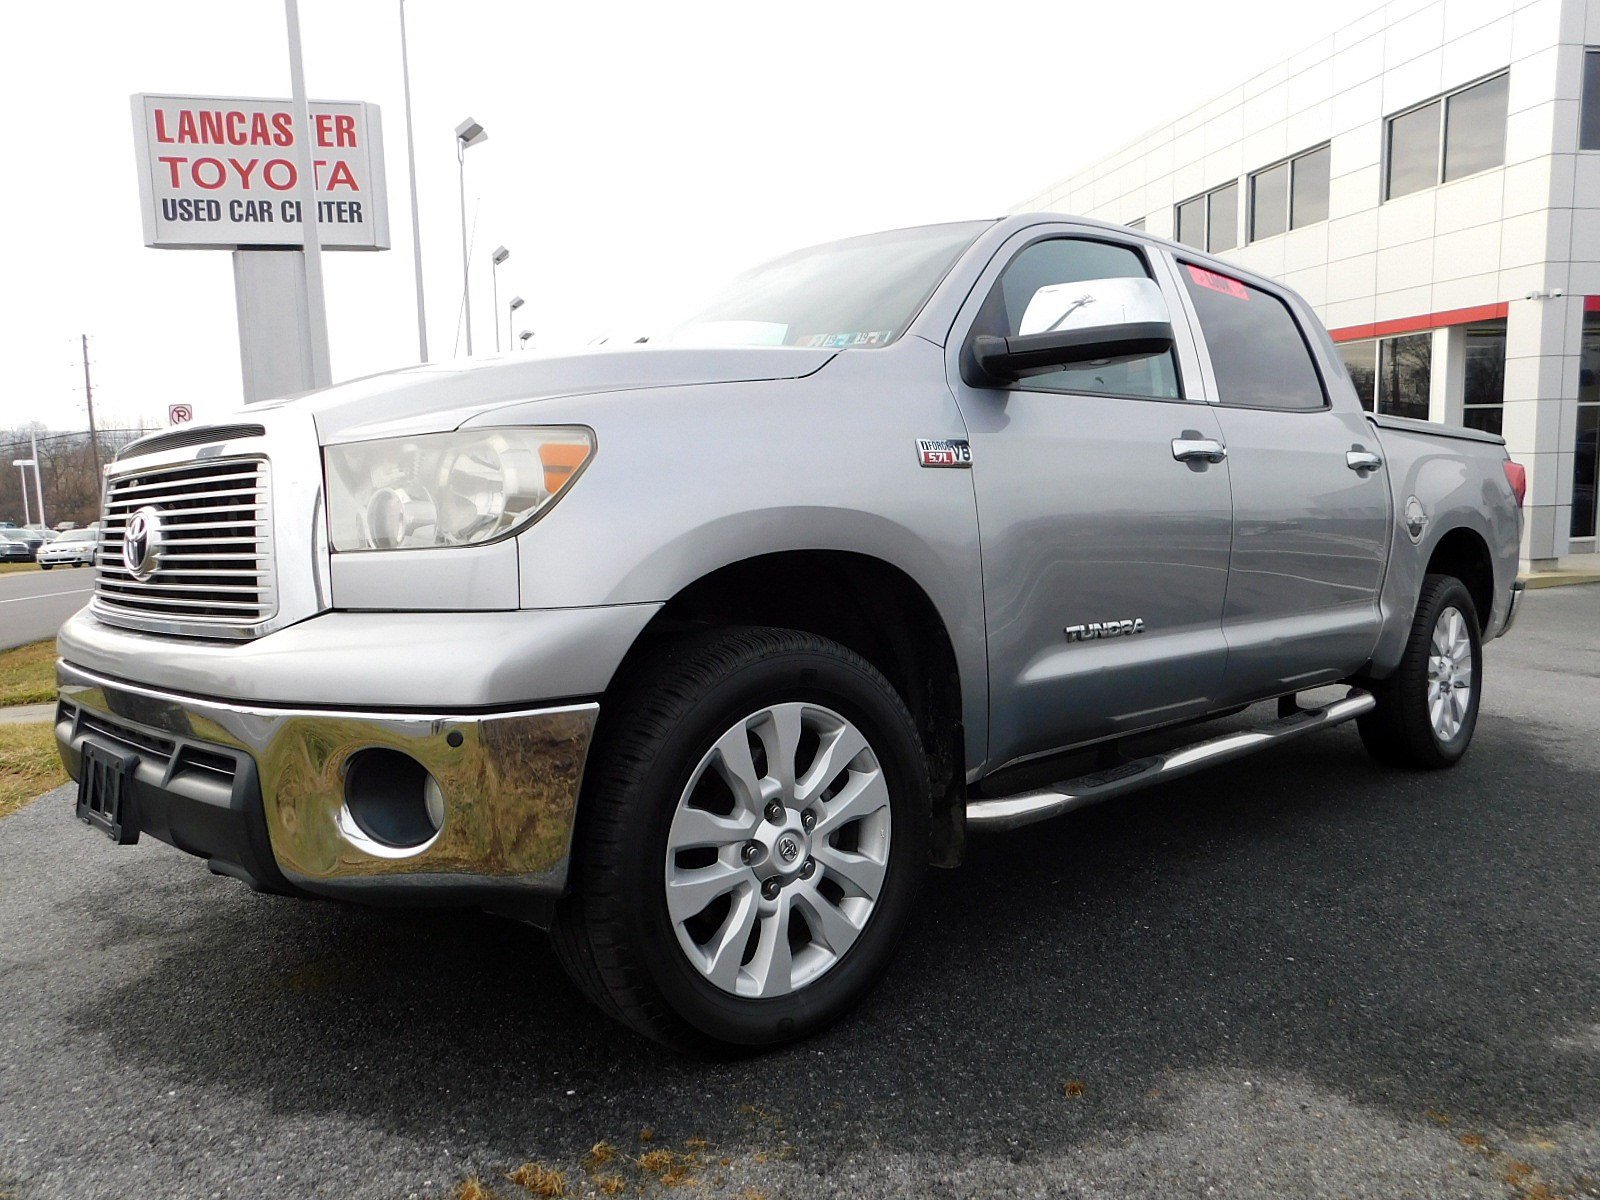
808,820
808,868
751,852
770,889
774,812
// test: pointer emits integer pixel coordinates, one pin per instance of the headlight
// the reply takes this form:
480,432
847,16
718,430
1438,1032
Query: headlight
448,489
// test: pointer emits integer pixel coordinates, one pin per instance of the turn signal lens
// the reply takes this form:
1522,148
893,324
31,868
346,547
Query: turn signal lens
1517,477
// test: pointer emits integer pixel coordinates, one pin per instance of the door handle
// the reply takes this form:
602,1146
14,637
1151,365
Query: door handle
1362,460
1193,449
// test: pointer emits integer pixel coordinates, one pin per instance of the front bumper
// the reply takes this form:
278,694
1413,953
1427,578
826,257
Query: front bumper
259,791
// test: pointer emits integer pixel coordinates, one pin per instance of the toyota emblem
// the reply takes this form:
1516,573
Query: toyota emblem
788,849
141,543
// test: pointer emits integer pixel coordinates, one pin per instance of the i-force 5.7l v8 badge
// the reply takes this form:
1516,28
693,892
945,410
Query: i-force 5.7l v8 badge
944,452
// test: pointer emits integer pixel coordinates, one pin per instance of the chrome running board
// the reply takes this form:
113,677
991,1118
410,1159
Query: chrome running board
1024,808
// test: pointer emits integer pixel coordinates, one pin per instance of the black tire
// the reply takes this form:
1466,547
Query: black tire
1400,732
613,932
45,566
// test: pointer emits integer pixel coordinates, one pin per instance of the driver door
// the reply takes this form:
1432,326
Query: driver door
1105,542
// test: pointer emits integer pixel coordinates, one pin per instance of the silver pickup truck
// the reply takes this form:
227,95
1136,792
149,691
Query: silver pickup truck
699,652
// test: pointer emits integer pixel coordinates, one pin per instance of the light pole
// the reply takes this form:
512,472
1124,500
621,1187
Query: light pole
411,165
38,484
499,256
524,336
310,230
468,133
511,311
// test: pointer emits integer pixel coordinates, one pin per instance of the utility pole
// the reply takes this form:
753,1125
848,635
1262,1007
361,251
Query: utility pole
38,483
88,399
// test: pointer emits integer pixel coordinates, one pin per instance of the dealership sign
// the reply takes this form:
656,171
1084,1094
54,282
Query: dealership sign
218,173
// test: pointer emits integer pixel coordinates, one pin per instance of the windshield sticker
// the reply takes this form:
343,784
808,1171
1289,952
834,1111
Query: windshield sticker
1218,283
842,340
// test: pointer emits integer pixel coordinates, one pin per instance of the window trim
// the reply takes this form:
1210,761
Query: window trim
1290,161
1203,342
1442,99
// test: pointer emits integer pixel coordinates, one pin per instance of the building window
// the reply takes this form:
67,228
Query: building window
1449,138
1361,364
1586,460
1289,194
1484,393
1589,129
1137,226
1210,222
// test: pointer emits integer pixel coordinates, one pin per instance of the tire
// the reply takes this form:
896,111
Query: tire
640,959
45,566
1421,721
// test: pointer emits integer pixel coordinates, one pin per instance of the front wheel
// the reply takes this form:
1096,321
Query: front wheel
45,566
750,842
1427,710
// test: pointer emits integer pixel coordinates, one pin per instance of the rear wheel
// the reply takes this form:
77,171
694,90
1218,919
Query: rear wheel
751,842
1427,710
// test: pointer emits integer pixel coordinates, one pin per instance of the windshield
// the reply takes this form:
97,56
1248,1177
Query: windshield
859,292
76,535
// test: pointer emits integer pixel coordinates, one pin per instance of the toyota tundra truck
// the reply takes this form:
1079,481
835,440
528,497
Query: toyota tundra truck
698,652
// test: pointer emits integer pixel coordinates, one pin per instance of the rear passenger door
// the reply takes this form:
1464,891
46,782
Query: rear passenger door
1310,502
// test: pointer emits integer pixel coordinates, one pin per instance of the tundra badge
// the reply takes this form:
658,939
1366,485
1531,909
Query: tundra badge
1103,629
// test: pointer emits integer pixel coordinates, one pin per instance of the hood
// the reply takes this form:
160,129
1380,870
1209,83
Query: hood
437,398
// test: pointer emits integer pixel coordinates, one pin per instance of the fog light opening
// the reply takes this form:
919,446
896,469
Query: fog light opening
392,799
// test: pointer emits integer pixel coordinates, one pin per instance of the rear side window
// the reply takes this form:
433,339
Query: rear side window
1257,350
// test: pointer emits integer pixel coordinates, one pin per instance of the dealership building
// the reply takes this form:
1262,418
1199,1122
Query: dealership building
1428,178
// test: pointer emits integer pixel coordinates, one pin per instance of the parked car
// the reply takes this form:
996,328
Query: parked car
14,549
30,537
75,547
699,652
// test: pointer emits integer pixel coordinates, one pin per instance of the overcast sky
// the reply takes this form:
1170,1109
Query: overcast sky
638,154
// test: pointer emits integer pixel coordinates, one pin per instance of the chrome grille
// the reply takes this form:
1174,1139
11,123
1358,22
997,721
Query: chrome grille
214,573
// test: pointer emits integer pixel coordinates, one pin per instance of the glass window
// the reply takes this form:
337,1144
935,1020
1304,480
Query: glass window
1192,222
862,292
1475,128
1310,188
1222,219
1361,364
1269,202
1257,350
1483,399
1074,260
1589,132
1413,151
1405,375
1586,459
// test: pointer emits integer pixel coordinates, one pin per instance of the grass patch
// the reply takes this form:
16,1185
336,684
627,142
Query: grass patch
17,568
29,765
28,674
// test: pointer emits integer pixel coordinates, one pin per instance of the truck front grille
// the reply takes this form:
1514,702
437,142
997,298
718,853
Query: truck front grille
206,567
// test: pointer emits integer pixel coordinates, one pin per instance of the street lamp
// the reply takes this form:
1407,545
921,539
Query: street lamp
499,256
468,133
524,336
511,311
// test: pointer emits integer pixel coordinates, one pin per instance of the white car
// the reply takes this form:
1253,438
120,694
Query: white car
75,547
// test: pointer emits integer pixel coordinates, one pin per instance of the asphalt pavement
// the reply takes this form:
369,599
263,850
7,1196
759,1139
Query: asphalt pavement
1297,975
33,604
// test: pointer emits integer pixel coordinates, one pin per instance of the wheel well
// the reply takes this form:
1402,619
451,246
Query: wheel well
863,603
1463,554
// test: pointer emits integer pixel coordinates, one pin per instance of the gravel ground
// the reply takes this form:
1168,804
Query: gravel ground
1299,975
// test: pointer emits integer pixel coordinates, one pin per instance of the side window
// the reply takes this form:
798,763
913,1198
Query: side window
1056,264
1257,350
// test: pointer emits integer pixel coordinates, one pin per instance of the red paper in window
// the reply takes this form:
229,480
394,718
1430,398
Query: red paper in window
1218,283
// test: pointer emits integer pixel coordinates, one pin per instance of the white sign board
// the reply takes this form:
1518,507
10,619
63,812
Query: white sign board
220,173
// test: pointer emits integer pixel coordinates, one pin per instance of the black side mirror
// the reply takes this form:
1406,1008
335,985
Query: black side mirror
995,361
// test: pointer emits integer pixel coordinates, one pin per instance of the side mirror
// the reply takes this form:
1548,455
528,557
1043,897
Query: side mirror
1090,320
1001,360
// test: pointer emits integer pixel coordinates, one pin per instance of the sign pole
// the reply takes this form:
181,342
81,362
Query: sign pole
38,483
310,234
411,167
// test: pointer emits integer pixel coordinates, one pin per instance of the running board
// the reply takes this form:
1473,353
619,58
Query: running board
1010,812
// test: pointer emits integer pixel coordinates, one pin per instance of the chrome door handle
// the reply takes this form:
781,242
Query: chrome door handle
1362,460
1192,449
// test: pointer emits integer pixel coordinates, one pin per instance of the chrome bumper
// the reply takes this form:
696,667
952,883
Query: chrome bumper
509,782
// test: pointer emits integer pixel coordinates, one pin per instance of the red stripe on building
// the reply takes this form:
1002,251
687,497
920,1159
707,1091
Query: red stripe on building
1591,304
1438,320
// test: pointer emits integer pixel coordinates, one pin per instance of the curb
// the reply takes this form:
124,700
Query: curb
27,714
1550,579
